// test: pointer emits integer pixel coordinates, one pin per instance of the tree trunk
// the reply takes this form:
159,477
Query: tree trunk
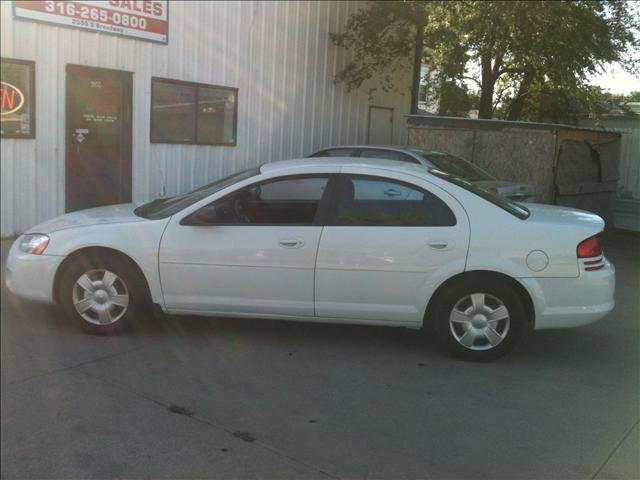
417,64
485,108
490,75
517,106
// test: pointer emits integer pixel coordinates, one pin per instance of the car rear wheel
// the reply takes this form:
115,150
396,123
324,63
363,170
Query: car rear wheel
103,295
480,320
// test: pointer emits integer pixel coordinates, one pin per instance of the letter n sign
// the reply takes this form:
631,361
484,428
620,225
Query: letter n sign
17,99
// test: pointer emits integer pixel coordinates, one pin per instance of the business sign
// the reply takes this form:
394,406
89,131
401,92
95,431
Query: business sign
144,20
17,108
11,99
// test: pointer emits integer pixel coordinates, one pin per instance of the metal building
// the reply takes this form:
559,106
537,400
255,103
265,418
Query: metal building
627,206
107,101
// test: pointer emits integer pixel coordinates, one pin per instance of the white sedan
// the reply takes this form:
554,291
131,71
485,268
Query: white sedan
342,240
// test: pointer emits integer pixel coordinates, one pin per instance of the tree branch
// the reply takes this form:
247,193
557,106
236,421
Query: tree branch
477,82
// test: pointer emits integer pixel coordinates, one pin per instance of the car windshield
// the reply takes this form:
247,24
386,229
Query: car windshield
513,208
165,207
455,166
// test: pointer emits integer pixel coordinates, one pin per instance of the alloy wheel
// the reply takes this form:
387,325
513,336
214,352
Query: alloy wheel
100,297
479,321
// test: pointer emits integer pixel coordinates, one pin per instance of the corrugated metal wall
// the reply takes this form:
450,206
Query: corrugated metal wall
627,205
629,168
277,53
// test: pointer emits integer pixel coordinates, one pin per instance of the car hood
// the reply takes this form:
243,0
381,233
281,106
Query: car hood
565,216
122,213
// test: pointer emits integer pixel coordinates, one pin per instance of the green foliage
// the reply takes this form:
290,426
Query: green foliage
382,40
569,103
521,55
455,100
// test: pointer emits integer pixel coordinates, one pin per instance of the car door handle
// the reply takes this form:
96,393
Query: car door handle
291,242
440,244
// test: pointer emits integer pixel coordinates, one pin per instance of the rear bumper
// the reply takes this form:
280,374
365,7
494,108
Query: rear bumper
572,302
31,276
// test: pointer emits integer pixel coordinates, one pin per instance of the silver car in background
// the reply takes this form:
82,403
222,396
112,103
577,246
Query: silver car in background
452,164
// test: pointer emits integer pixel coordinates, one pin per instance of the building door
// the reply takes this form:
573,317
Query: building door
380,126
98,137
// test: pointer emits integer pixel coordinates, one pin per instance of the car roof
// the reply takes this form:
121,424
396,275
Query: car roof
338,162
393,148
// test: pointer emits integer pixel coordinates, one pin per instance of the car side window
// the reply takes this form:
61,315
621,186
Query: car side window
334,152
288,201
373,201
387,154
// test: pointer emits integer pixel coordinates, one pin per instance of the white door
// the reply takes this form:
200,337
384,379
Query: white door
251,252
386,246
380,126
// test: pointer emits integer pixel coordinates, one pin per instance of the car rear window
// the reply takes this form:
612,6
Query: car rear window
334,152
387,154
455,165
513,208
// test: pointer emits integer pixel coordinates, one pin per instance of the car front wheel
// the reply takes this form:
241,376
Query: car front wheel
102,295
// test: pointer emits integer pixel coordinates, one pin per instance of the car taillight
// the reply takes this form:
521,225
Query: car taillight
591,247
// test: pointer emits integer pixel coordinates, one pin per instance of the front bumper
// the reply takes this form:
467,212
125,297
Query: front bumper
31,276
572,302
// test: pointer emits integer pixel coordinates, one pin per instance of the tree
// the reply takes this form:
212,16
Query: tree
508,50
455,100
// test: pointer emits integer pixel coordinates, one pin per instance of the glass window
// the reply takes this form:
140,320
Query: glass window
364,189
291,201
216,115
371,201
165,207
455,166
173,114
334,152
387,154
17,90
513,208
184,112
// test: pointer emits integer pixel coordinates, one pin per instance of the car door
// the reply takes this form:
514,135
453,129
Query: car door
386,246
251,252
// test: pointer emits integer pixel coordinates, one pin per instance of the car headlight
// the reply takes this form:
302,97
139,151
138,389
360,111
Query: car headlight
34,243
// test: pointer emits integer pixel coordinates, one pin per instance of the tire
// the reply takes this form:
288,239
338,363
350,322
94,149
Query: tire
479,318
103,294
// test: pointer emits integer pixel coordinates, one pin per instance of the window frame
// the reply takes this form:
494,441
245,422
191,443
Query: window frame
32,103
318,221
197,86
331,209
